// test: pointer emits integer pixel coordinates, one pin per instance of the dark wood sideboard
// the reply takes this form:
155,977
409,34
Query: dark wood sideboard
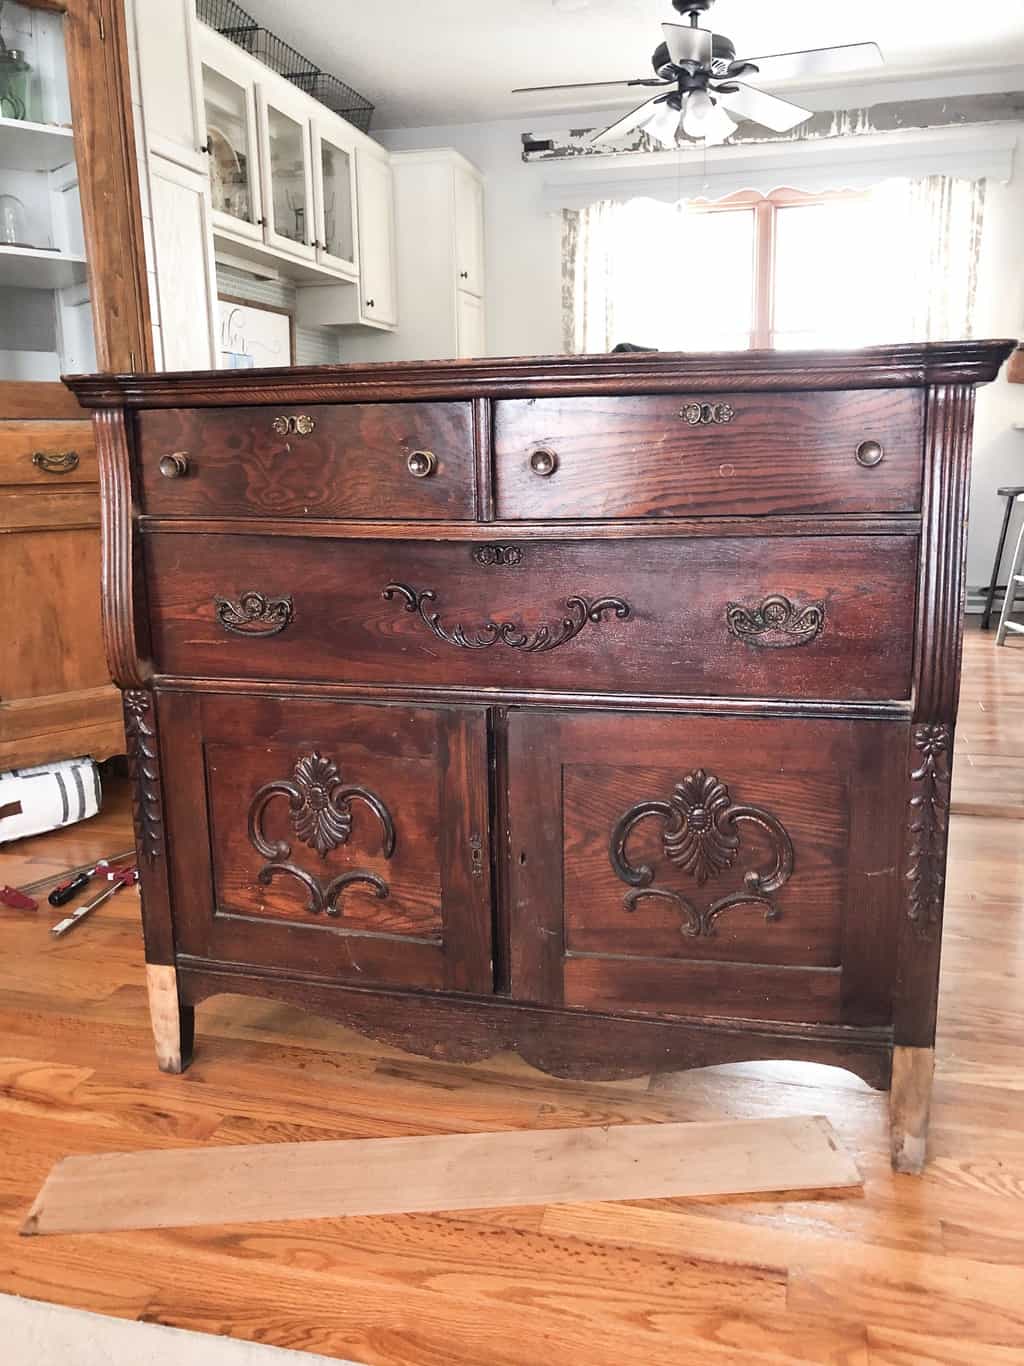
600,708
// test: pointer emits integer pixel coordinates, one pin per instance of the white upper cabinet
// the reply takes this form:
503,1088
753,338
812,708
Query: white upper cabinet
378,299
230,138
286,145
469,230
334,196
175,126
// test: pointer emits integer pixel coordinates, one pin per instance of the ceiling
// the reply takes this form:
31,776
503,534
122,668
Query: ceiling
456,61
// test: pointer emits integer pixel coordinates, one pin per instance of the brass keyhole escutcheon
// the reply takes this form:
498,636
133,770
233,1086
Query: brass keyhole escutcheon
421,464
544,463
175,465
299,425
870,454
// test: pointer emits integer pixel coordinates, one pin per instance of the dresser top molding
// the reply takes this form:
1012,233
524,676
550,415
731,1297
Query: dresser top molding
877,367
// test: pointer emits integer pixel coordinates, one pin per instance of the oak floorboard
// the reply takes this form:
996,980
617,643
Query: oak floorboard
916,1271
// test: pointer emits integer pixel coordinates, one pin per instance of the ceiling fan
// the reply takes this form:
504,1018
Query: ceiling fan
705,97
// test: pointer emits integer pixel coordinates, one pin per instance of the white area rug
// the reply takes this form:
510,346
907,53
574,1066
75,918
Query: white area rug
35,1334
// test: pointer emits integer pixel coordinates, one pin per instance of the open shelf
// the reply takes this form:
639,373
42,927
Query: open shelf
30,268
34,146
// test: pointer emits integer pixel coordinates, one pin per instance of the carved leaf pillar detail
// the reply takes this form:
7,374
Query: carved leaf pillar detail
928,828
702,837
320,809
143,756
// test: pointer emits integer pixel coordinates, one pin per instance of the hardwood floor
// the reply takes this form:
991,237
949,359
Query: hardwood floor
914,1270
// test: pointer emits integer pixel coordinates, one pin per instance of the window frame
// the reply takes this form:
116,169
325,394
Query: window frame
766,210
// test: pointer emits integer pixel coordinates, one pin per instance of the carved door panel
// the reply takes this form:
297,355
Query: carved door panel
345,841
697,865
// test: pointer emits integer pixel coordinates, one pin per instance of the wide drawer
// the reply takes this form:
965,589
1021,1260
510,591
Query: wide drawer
399,461
675,455
821,617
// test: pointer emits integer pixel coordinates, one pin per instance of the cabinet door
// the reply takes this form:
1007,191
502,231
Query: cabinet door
285,155
229,111
173,109
331,840
469,232
698,865
334,182
472,333
186,283
376,238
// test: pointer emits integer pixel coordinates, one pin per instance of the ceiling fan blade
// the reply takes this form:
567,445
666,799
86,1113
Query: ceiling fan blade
634,119
819,61
686,44
770,112
587,85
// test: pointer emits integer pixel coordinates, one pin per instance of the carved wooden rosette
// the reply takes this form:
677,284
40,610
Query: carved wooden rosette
702,838
144,759
579,612
320,809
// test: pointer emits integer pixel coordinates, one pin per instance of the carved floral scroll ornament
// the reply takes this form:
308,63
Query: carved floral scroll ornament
579,612
320,809
928,828
703,838
776,623
254,614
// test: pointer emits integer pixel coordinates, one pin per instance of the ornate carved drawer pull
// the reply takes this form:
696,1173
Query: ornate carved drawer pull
707,414
580,612
52,462
254,614
776,623
702,838
299,425
320,808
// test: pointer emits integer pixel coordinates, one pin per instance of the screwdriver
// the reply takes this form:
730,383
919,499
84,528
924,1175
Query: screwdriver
120,877
61,895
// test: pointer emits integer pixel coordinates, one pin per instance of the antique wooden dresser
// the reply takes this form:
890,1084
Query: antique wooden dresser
599,708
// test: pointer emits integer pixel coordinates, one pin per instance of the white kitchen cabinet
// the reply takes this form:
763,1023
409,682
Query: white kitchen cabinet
174,119
286,159
439,254
185,283
227,82
334,196
378,302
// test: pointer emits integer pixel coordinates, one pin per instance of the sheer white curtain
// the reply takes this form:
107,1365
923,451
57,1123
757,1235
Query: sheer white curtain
896,264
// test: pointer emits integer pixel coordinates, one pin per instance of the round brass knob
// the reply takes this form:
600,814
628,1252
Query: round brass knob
175,465
544,463
870,453
421,464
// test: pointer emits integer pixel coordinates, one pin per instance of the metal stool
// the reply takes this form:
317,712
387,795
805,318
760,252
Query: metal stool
1011,495
1014,581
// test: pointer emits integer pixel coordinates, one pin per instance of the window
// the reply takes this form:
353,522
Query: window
784,270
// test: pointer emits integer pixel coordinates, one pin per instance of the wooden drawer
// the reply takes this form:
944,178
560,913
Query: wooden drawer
51,454
354,462
698,865
756,454
349,842
821,617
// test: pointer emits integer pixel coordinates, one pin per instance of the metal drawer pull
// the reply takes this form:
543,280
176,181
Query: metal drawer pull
707,414
254,614
870,453
544,462
300,425
776,624
52,462
421,464
175,465
580,611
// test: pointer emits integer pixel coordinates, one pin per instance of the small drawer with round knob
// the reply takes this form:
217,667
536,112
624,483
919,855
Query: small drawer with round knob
359,461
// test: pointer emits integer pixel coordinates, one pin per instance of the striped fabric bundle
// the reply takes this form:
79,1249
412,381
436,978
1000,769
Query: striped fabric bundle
33,800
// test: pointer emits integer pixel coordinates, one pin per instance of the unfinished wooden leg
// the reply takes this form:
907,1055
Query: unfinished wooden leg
173,1023
909,1103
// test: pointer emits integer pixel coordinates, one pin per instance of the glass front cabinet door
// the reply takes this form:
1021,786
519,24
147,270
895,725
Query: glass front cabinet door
335,200
288,185
231,147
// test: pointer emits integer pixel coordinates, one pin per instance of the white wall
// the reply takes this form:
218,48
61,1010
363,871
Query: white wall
524,289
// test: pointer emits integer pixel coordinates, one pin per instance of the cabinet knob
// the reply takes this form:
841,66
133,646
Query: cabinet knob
463,274
870,453
371,303
175,465
544,463
421,464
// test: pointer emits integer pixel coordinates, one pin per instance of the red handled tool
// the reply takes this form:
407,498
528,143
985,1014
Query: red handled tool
10,896
63,893
118,877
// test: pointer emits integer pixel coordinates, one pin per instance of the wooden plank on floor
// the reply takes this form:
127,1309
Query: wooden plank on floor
272,1181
